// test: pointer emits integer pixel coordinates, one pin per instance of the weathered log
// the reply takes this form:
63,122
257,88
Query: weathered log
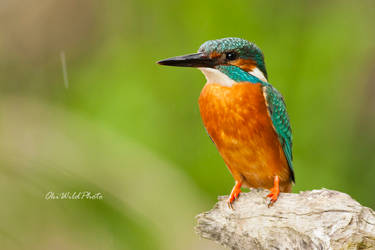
318,219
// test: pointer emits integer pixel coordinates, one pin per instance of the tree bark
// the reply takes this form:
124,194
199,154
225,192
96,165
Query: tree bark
318,219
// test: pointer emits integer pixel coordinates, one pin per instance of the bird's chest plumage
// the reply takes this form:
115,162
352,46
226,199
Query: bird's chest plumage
237,120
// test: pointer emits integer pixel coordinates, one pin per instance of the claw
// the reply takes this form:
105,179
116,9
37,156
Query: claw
275,191
234,194
230,205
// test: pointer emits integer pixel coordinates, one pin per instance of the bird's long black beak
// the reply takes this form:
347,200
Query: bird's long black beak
193,60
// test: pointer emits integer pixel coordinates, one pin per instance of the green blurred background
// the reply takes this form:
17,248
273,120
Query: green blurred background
131,129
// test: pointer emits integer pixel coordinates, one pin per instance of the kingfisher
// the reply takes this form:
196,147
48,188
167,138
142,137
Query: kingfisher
244,115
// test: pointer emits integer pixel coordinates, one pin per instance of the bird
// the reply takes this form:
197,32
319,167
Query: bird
244,115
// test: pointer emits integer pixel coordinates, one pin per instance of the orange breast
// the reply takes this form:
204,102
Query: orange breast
237,120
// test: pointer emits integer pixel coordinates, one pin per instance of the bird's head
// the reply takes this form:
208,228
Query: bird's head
224,61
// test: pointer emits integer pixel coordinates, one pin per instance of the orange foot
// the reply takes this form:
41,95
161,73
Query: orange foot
275,191
235,193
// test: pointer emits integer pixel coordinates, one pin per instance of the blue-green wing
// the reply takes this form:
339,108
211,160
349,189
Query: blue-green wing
280,119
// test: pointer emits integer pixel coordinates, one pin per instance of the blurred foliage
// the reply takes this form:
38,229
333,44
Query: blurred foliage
131,129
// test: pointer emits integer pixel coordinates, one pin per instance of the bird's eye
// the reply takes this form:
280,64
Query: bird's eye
231,56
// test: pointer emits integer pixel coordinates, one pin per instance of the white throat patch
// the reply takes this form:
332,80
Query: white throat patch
215,76
258,74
